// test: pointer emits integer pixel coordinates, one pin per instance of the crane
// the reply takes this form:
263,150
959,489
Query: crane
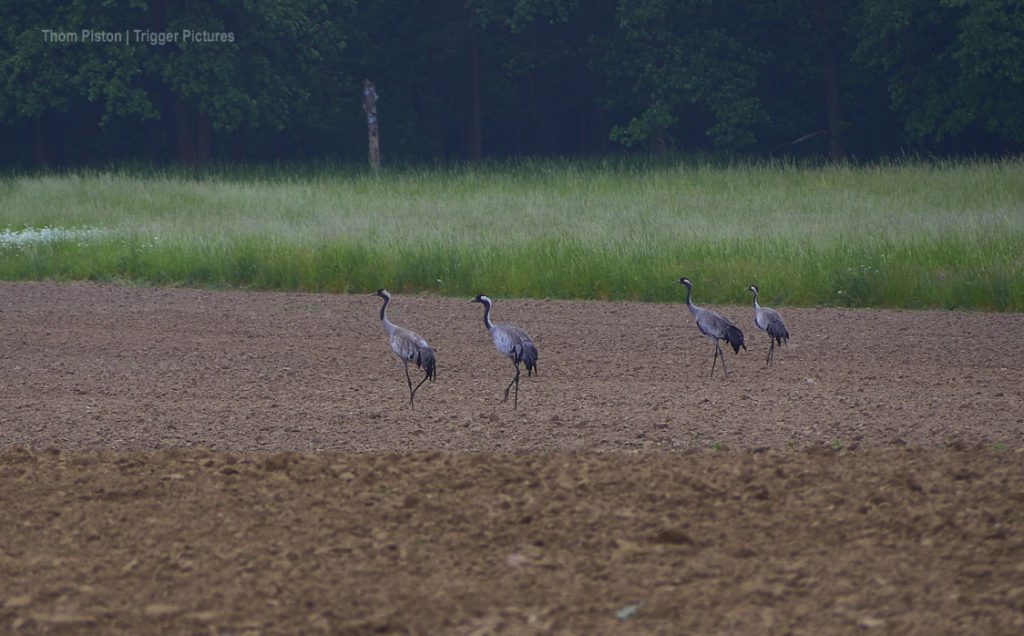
769,321
715,327
408,346
511,342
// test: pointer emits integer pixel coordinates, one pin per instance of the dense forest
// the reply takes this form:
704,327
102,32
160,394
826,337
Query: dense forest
95,82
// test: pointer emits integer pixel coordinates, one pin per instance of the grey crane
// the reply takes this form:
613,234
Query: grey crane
512,342
769,321
715,326
408,346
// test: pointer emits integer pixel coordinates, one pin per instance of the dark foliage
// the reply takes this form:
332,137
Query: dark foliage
152,81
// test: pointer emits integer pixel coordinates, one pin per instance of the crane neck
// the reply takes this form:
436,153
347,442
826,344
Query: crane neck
689,300
756,306
487,316
384,317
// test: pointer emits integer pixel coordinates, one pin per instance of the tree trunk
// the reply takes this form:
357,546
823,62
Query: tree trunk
184,128
474,133
40,147
204,139
194,131
436,124
824,11
237,145
837,148
370,108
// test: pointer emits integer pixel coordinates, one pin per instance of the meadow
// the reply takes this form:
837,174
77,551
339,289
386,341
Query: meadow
913,234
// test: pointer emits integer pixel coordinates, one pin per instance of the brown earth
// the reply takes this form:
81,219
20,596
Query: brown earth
182,461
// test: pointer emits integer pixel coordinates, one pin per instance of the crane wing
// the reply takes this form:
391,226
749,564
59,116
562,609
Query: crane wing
409,346
775,327
516,344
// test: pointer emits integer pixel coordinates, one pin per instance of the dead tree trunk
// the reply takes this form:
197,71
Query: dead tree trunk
370,108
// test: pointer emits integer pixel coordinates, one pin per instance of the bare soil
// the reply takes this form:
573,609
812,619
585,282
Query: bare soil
185,461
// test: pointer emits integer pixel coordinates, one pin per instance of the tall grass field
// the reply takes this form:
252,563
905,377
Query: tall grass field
906,234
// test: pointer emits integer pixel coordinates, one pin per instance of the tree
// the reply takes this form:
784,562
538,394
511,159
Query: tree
254,67
47,69
813,98
419,56
550,99
36,78
471,79
954,69
688,73
200,67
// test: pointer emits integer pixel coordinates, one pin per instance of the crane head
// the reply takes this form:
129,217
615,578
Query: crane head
383,293
752,288
480,298
685,282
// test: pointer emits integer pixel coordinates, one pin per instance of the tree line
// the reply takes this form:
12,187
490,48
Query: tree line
92,82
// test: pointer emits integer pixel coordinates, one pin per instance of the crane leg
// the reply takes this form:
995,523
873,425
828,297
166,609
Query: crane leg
515,381
417,388
412,391
718,354
771,354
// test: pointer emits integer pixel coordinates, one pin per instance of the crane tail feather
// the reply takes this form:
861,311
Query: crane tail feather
778,333
526,354
426,361
529,358
735,338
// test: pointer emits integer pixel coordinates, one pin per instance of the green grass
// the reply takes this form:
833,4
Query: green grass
911,234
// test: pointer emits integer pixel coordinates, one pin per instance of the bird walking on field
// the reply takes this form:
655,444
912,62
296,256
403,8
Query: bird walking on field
769,321
715,326
408,346
512,342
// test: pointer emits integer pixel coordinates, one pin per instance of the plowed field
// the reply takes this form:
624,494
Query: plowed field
183,461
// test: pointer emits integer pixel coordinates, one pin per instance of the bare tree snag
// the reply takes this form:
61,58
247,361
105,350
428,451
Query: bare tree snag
370,108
